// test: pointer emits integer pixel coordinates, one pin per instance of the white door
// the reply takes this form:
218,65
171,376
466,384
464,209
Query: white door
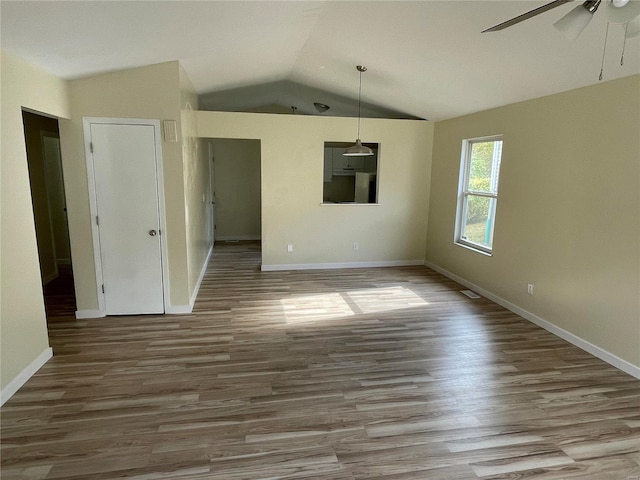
128,217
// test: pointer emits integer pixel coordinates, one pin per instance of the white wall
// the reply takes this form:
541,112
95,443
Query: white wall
292,156
237,188
23,330
568,215
197,195
151,92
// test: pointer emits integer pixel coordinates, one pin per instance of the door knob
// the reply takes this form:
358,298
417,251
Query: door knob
153,233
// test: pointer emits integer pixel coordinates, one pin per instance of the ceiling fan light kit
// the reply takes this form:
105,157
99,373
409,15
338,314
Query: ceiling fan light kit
359,150
633,28
622,11
574,22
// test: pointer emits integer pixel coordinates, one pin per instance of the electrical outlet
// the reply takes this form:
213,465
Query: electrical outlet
530,288
356,246
290,247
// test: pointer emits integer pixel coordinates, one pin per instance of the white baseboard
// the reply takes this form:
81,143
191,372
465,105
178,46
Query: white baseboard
178,309
232,238
186,309
327,266
84,314
579,342
192,300
14,385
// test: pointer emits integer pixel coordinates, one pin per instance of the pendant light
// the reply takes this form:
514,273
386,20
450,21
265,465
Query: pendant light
359,150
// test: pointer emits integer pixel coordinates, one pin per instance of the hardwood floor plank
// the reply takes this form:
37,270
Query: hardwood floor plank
363,374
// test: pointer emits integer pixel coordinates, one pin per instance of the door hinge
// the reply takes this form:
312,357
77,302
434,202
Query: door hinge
91,147
103,288
97,220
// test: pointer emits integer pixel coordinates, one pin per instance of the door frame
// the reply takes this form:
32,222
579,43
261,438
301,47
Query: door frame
46,134
212,191
93,202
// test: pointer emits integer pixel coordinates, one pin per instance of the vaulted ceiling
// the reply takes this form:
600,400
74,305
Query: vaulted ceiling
425,59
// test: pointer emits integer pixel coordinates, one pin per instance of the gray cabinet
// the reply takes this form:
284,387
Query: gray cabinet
346,165
338,165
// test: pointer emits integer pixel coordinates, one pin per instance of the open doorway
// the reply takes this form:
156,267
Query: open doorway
48,199
237,194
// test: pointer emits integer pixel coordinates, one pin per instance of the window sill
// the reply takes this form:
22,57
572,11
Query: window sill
324,204
473,248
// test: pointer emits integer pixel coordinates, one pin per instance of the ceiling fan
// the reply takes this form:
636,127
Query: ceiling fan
625,12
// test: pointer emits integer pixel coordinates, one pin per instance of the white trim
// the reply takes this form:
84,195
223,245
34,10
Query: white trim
464,192
84,314
572,338
342,204
227,238
196,289
86,123
43,134
186,309
14,385
179,309
327,266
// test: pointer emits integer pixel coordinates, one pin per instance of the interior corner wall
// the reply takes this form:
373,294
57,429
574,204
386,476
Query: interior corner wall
151,92
292,163
197,191
568,214
23,328
237,188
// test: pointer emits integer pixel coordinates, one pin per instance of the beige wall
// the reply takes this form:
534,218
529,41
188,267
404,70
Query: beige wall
151,92
196,186
237,188
23,329
34,125
292,159
568,215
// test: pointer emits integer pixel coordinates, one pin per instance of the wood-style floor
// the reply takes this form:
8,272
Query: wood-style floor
380,374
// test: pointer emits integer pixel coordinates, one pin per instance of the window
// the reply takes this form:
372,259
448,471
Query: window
478,192
349,179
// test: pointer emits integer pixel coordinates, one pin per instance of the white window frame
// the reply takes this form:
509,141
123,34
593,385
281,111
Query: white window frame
464,193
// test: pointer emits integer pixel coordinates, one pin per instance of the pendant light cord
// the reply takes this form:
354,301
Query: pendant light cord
359,95
604,51
624,44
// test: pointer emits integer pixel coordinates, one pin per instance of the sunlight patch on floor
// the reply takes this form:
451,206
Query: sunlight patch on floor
346,304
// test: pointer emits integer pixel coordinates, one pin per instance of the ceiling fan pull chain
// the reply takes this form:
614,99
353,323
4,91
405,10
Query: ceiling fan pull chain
624,43
603,51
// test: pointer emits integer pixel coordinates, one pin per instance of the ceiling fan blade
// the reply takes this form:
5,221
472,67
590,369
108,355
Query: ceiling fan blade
527,16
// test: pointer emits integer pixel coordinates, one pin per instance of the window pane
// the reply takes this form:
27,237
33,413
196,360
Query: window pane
478,221
484,164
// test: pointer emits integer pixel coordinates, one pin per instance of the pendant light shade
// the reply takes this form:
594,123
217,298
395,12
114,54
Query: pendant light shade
574,22
359,150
